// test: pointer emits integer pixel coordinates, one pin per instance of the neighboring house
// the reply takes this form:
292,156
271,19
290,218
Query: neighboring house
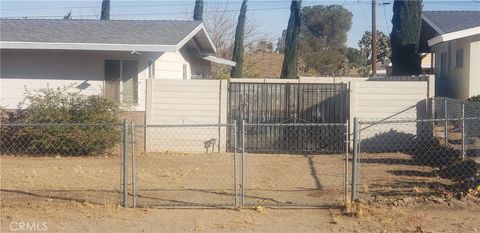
453,38
107,57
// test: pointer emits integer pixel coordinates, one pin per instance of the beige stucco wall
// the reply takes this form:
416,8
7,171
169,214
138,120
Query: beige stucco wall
462,82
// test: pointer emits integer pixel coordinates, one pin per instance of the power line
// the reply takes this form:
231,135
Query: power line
153,13
385,14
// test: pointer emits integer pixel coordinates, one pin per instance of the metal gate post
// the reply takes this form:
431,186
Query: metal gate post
125,163
446,120
346,163
354,159
463,131
234,169
134,189
242,169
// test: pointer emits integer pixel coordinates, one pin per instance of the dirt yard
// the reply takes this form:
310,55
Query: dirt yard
82,195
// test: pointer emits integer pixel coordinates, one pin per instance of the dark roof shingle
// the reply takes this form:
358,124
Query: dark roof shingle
154,32
452,21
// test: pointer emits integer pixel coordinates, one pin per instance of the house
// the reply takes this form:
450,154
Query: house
453,39
106,57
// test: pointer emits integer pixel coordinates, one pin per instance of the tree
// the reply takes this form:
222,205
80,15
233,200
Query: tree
68,15
290,60
198,11
355,57
404,37
105,15
261,46
238,46
281,42
384,50
323,37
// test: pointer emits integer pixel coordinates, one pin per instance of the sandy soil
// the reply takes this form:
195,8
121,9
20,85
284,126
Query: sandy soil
82,195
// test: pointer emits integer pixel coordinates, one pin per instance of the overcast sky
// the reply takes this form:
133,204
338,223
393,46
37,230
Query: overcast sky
272,15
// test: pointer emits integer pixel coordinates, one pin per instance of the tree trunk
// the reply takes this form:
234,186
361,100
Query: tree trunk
290,59
237,71
198,11
105,15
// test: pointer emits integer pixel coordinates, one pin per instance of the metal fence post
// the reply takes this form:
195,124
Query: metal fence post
463,131
446,120
354,159
125,163
242,169
235,161
347,143
134,190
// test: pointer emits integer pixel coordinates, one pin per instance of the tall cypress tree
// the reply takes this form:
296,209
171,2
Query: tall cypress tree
198,11
290,56
237,71
105,15
407,18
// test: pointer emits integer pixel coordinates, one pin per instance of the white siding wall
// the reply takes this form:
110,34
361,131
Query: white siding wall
461,82
388,100
379,99
185,102
474,85
82,70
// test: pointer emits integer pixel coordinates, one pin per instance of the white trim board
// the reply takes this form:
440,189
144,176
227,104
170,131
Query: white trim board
87,46
190,36
454,35
219,60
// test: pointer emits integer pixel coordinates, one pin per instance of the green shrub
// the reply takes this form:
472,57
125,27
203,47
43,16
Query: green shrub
62,122
475,98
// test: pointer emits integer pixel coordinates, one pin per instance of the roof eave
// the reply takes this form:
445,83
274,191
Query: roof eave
211,48
454,35
86,46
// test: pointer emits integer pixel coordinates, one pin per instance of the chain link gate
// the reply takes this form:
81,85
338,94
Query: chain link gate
306,166
169,168
182,165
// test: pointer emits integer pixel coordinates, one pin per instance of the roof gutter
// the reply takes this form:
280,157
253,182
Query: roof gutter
454,35
87,46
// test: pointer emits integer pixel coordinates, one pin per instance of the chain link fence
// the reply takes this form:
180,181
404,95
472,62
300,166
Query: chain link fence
404,158
184,165
62,162
303,164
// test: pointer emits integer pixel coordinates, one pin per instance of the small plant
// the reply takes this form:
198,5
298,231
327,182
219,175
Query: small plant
60,122
475,98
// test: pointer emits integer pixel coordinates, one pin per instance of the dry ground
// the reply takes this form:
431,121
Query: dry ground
81,195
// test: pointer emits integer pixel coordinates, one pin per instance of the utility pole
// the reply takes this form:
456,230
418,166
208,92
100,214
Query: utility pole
374,38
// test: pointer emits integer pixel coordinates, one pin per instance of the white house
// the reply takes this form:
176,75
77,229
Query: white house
109,57
453,38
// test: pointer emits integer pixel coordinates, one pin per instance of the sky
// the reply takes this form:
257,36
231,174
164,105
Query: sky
271,15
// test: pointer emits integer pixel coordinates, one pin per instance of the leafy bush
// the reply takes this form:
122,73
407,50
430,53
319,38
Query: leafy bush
475,98
60,121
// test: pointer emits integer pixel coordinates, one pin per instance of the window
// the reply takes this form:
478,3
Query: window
459,59
184,71
112,80
151,69
121,80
